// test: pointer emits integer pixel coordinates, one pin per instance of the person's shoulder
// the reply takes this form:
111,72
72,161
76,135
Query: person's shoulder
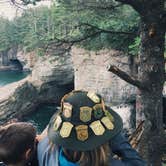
43,145
46,154
115,162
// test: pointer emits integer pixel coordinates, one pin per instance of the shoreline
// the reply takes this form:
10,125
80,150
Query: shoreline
6,68
11,68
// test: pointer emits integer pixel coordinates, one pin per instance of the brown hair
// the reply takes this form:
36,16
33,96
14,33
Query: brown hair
15,139
96,157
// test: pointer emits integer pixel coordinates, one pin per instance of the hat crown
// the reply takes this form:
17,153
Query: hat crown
77,107
83,122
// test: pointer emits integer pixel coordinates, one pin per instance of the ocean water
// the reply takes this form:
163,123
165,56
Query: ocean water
7,77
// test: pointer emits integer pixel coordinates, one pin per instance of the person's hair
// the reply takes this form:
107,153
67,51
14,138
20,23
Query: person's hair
15,139
96,157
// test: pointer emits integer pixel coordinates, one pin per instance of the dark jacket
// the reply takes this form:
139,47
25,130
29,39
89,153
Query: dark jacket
119,146
129,156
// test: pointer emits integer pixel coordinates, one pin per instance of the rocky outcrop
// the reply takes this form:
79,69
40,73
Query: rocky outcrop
91,74
51,78
27,60
15,57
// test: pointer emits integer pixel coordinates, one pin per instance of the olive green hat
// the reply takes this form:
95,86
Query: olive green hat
83,122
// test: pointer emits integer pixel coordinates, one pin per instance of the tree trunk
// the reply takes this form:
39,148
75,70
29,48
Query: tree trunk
151,74
5,59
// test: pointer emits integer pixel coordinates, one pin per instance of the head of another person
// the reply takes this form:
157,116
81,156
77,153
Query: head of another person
17,143
83,127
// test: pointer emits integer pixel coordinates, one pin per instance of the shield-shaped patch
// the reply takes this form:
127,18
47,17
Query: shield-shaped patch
85,113
82,132
98,111
67,110
66,129
97,127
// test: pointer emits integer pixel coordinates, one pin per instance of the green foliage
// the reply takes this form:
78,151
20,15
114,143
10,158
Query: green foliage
134,47
5,32
72,21
121,19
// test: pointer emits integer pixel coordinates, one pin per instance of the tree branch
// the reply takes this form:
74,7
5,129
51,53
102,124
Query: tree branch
108,31
73,41
136,4
59,42
123,75
92,5
106,7
83,38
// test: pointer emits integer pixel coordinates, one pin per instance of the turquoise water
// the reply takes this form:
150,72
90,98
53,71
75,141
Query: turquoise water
7,77
41,116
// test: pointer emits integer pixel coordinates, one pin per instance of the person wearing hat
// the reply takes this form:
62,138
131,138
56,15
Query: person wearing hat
85,132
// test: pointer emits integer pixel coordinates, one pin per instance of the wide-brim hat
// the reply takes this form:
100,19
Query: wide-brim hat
83,122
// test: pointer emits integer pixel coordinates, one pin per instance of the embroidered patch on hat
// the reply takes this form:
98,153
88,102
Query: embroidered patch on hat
107,122
108,114
66,129
67,110
85,113
82,132
57,123
93,97
98,111
97,127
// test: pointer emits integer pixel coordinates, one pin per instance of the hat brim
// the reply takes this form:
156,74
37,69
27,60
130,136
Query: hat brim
92,142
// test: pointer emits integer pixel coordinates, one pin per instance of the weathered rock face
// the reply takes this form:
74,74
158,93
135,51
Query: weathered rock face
57,69
9,61
51,78
27,60
91,74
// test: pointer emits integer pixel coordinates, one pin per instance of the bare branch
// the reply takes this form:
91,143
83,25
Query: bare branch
126,77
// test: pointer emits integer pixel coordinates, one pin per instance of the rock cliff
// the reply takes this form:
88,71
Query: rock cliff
56,73
51,78
27,60
91,74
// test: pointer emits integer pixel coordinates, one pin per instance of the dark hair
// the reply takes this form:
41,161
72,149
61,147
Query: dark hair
15,139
